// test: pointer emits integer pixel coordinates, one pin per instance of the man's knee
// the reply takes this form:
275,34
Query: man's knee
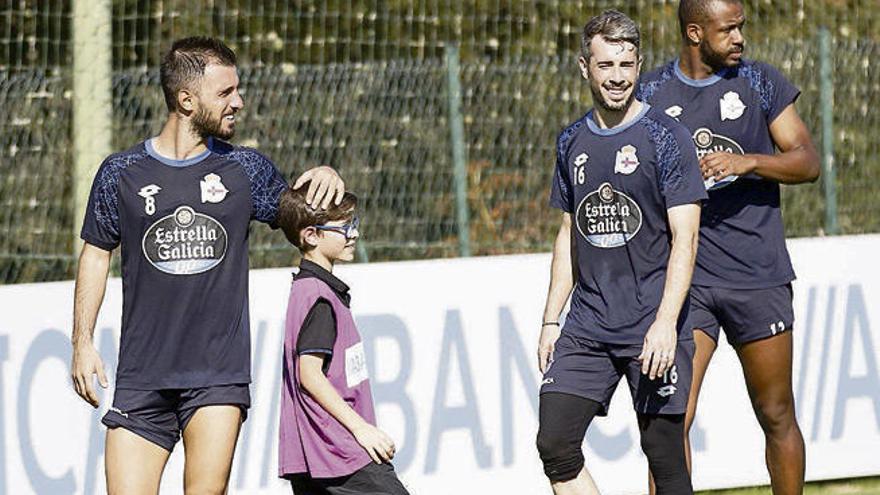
658,446
775,416
563,420
663,445
562,457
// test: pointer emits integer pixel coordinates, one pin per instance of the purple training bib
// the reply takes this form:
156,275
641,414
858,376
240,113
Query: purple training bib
310,439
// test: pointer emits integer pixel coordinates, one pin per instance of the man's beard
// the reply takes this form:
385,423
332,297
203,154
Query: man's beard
204,126
714,59
610,106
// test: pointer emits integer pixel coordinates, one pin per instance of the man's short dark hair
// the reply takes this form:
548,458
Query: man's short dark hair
185,63
695,12
613,26
295,214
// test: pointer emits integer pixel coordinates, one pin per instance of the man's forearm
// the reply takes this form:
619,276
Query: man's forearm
685,236
91,282
561,274
798,160
678,281
795,166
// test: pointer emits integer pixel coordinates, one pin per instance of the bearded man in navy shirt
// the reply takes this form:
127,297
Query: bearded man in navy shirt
629,187
739,113
179,206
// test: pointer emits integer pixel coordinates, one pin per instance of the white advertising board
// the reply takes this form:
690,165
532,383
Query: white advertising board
451,353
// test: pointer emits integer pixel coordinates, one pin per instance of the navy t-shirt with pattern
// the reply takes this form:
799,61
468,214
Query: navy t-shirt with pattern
183,230
742,240
618,184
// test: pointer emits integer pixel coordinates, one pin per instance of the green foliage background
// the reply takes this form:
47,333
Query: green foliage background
361,85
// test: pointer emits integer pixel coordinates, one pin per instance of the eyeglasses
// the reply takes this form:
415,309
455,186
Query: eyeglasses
348,229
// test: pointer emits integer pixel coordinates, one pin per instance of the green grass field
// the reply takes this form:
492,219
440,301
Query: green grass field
859,486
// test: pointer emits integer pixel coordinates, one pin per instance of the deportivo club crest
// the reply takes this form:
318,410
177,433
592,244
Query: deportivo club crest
708,142
732,106
626,161
607,218
185,242
213,191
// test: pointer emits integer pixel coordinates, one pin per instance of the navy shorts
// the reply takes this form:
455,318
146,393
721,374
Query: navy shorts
373,479
161,415
592,370
746,315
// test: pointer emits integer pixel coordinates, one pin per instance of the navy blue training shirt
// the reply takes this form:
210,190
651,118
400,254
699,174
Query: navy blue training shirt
183,228
618,185
742,240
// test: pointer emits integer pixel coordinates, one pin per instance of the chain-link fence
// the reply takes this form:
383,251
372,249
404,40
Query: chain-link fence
363,86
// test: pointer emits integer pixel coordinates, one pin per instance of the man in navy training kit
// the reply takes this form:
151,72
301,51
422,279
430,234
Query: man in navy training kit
627,177
739,112
179,205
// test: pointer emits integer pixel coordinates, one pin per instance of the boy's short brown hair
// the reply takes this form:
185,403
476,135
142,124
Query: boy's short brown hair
295,214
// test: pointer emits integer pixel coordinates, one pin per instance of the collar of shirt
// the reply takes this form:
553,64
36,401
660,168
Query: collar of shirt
171,162
699,83
610,131
309,269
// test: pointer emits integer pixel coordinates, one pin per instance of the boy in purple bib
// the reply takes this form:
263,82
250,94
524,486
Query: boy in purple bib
328,439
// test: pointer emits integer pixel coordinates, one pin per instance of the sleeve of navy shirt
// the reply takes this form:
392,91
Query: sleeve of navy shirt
101,223
681,182
651,82
561,192
777,93
318,332
267,184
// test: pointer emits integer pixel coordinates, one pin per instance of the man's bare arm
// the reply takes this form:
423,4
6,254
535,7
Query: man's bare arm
325,185
658,352
684,224
797,161
91,281
561,284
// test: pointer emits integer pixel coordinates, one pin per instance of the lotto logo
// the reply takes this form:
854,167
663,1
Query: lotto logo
666,391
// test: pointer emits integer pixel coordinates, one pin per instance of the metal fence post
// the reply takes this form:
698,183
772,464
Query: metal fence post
4,355
92,99
459,153
829,180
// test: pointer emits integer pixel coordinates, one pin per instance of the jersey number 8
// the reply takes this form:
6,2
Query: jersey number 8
150,205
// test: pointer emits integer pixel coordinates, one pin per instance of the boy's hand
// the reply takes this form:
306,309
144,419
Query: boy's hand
375,442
